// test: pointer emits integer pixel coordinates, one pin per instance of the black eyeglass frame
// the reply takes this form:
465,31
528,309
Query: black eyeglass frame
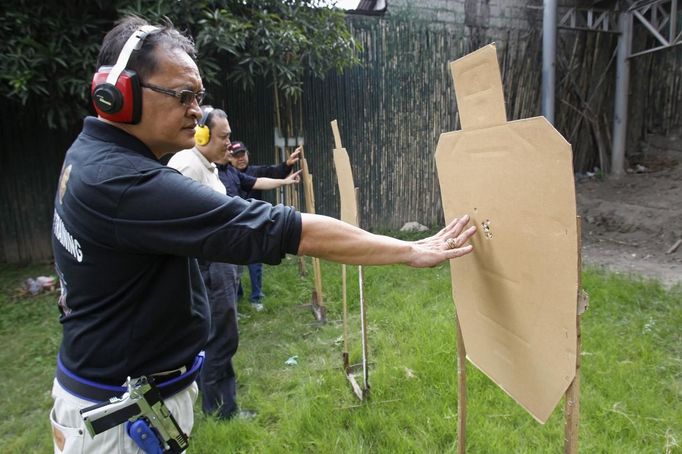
186,97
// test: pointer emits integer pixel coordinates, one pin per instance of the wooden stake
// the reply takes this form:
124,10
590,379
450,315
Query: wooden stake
346,362
572,396
318,303
461,391
319,309
301,267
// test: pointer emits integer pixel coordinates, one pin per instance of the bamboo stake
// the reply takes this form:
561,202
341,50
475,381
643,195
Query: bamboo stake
363,331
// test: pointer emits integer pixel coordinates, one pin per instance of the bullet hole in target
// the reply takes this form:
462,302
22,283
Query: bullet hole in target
486,229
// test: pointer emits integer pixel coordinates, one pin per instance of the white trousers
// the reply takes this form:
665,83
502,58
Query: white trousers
71,437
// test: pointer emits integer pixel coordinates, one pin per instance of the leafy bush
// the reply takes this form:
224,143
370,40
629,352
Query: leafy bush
48,49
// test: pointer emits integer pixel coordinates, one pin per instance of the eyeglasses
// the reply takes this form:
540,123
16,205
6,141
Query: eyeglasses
186,97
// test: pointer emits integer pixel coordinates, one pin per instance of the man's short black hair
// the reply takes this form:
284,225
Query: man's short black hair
142,61
213,113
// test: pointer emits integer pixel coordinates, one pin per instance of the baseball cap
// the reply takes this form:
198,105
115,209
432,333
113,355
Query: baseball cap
237,148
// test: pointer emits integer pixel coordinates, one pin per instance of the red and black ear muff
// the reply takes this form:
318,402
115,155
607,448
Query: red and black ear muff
202,133
115,90
121,102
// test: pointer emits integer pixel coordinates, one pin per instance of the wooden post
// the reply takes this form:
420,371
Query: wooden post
572,396
318,306
301,267
461,391
346,361
572,404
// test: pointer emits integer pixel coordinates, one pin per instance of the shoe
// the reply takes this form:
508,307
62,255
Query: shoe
245,415
257,306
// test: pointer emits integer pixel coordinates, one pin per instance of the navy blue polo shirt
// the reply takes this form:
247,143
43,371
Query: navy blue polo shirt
126,234
237,184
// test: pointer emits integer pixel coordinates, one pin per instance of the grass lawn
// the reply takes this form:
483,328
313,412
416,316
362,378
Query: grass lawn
630,392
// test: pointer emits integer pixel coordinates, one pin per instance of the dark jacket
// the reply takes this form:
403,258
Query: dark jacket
237,184
278,171
125,230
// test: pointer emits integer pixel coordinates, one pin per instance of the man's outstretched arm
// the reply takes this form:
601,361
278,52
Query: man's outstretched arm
264,183
337,241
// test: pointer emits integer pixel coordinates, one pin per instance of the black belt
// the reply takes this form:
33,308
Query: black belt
99,392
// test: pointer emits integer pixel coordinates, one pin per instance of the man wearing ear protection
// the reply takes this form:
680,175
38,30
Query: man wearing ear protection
127,232
217,377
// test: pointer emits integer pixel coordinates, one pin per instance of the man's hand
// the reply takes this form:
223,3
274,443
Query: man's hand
449,243
264,183
337,241
295,156
292,178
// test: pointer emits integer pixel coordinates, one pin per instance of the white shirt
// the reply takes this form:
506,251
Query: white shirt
191,163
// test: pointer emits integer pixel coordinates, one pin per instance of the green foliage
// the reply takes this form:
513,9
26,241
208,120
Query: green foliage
289,37
30,335
631,375
48,49
277,40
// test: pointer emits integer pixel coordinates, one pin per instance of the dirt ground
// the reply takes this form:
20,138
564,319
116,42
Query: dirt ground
631,224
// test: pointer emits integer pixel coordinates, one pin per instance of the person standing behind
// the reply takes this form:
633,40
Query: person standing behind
239,184
239,158
217,379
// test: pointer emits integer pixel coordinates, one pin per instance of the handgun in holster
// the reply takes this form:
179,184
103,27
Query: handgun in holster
150,424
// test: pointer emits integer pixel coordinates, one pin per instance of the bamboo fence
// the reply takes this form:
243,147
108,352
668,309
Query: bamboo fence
392,110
